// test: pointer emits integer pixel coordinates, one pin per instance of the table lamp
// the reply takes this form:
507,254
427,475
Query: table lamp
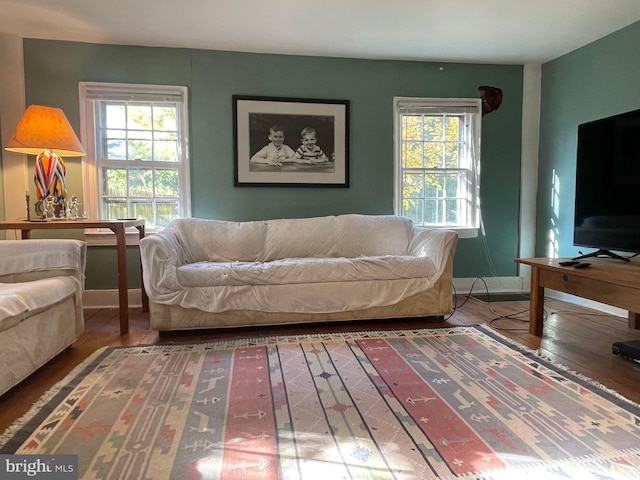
46,132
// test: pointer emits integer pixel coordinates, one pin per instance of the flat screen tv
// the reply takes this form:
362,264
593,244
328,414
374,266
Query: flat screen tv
607,202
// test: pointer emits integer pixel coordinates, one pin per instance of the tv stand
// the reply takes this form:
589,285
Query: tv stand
602,253
606,281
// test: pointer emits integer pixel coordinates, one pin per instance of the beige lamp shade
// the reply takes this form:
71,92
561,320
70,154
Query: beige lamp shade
45,128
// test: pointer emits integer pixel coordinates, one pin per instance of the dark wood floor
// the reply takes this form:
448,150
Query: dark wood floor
576,337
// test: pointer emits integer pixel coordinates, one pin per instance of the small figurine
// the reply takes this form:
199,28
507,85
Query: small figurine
72,211
49,207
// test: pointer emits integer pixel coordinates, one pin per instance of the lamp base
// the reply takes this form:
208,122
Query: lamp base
39,208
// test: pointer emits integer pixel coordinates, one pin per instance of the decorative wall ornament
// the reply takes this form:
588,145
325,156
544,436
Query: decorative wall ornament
491,98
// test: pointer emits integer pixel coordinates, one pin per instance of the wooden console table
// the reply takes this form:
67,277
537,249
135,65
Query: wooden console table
116,226
607,280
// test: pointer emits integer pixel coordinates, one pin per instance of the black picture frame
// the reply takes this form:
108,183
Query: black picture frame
253,119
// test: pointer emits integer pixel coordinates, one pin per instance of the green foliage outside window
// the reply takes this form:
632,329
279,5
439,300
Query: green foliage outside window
143,139
431,145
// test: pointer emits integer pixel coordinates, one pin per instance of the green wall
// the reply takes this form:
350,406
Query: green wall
595,81
53,70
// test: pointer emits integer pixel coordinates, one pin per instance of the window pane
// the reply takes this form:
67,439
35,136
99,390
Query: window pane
431,212
457,211
413,185
139,117
434,185
114,182
414,209
165,212
433,128
452,155
164,118
114,209
115,116
140,150
433,154
143,209
165,147
451,184
140,182
115,149
167,182
412,127
453,128
412,155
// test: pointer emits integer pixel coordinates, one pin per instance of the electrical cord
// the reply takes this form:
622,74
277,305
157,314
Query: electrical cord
498,316
509,316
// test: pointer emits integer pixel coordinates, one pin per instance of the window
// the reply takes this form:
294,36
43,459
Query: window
437,161
137,159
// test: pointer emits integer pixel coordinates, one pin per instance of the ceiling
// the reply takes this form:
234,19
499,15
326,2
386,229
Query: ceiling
470,31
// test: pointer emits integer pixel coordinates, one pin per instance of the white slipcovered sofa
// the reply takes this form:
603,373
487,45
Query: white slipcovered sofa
202,273
41,284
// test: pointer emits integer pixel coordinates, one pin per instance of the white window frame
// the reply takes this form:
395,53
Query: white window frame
471,107
94,91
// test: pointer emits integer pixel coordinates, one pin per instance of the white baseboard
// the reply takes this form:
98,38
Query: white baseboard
464,286
109,298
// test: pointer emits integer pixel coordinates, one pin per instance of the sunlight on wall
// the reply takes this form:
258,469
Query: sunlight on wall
554,232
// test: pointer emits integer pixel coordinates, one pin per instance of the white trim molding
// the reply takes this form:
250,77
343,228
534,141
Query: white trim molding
15,173
463,286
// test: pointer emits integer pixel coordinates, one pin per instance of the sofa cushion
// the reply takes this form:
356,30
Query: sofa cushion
299,237
350,235
304,270
18,300
358,235
219,240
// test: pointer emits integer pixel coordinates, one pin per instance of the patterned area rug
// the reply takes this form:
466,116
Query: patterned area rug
448,403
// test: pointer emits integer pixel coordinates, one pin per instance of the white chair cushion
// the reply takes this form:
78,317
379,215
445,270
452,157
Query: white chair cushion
18,300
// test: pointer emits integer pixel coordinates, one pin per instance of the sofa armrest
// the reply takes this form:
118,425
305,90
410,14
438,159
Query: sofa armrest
435,243
161,254
40,256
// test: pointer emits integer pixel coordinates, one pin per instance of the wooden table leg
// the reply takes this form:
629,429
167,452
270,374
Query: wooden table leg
634,320
536,304
123,293
143,292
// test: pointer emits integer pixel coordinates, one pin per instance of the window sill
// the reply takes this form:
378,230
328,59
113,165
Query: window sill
463,232
466,232
103,237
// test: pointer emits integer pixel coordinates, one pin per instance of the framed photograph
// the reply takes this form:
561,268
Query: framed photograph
290,142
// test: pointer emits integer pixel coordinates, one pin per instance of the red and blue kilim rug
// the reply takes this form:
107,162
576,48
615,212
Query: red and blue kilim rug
447,403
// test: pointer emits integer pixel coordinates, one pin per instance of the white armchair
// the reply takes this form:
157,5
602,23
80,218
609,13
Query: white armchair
41,284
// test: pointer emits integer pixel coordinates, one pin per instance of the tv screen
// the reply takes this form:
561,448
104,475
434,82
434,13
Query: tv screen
607,202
